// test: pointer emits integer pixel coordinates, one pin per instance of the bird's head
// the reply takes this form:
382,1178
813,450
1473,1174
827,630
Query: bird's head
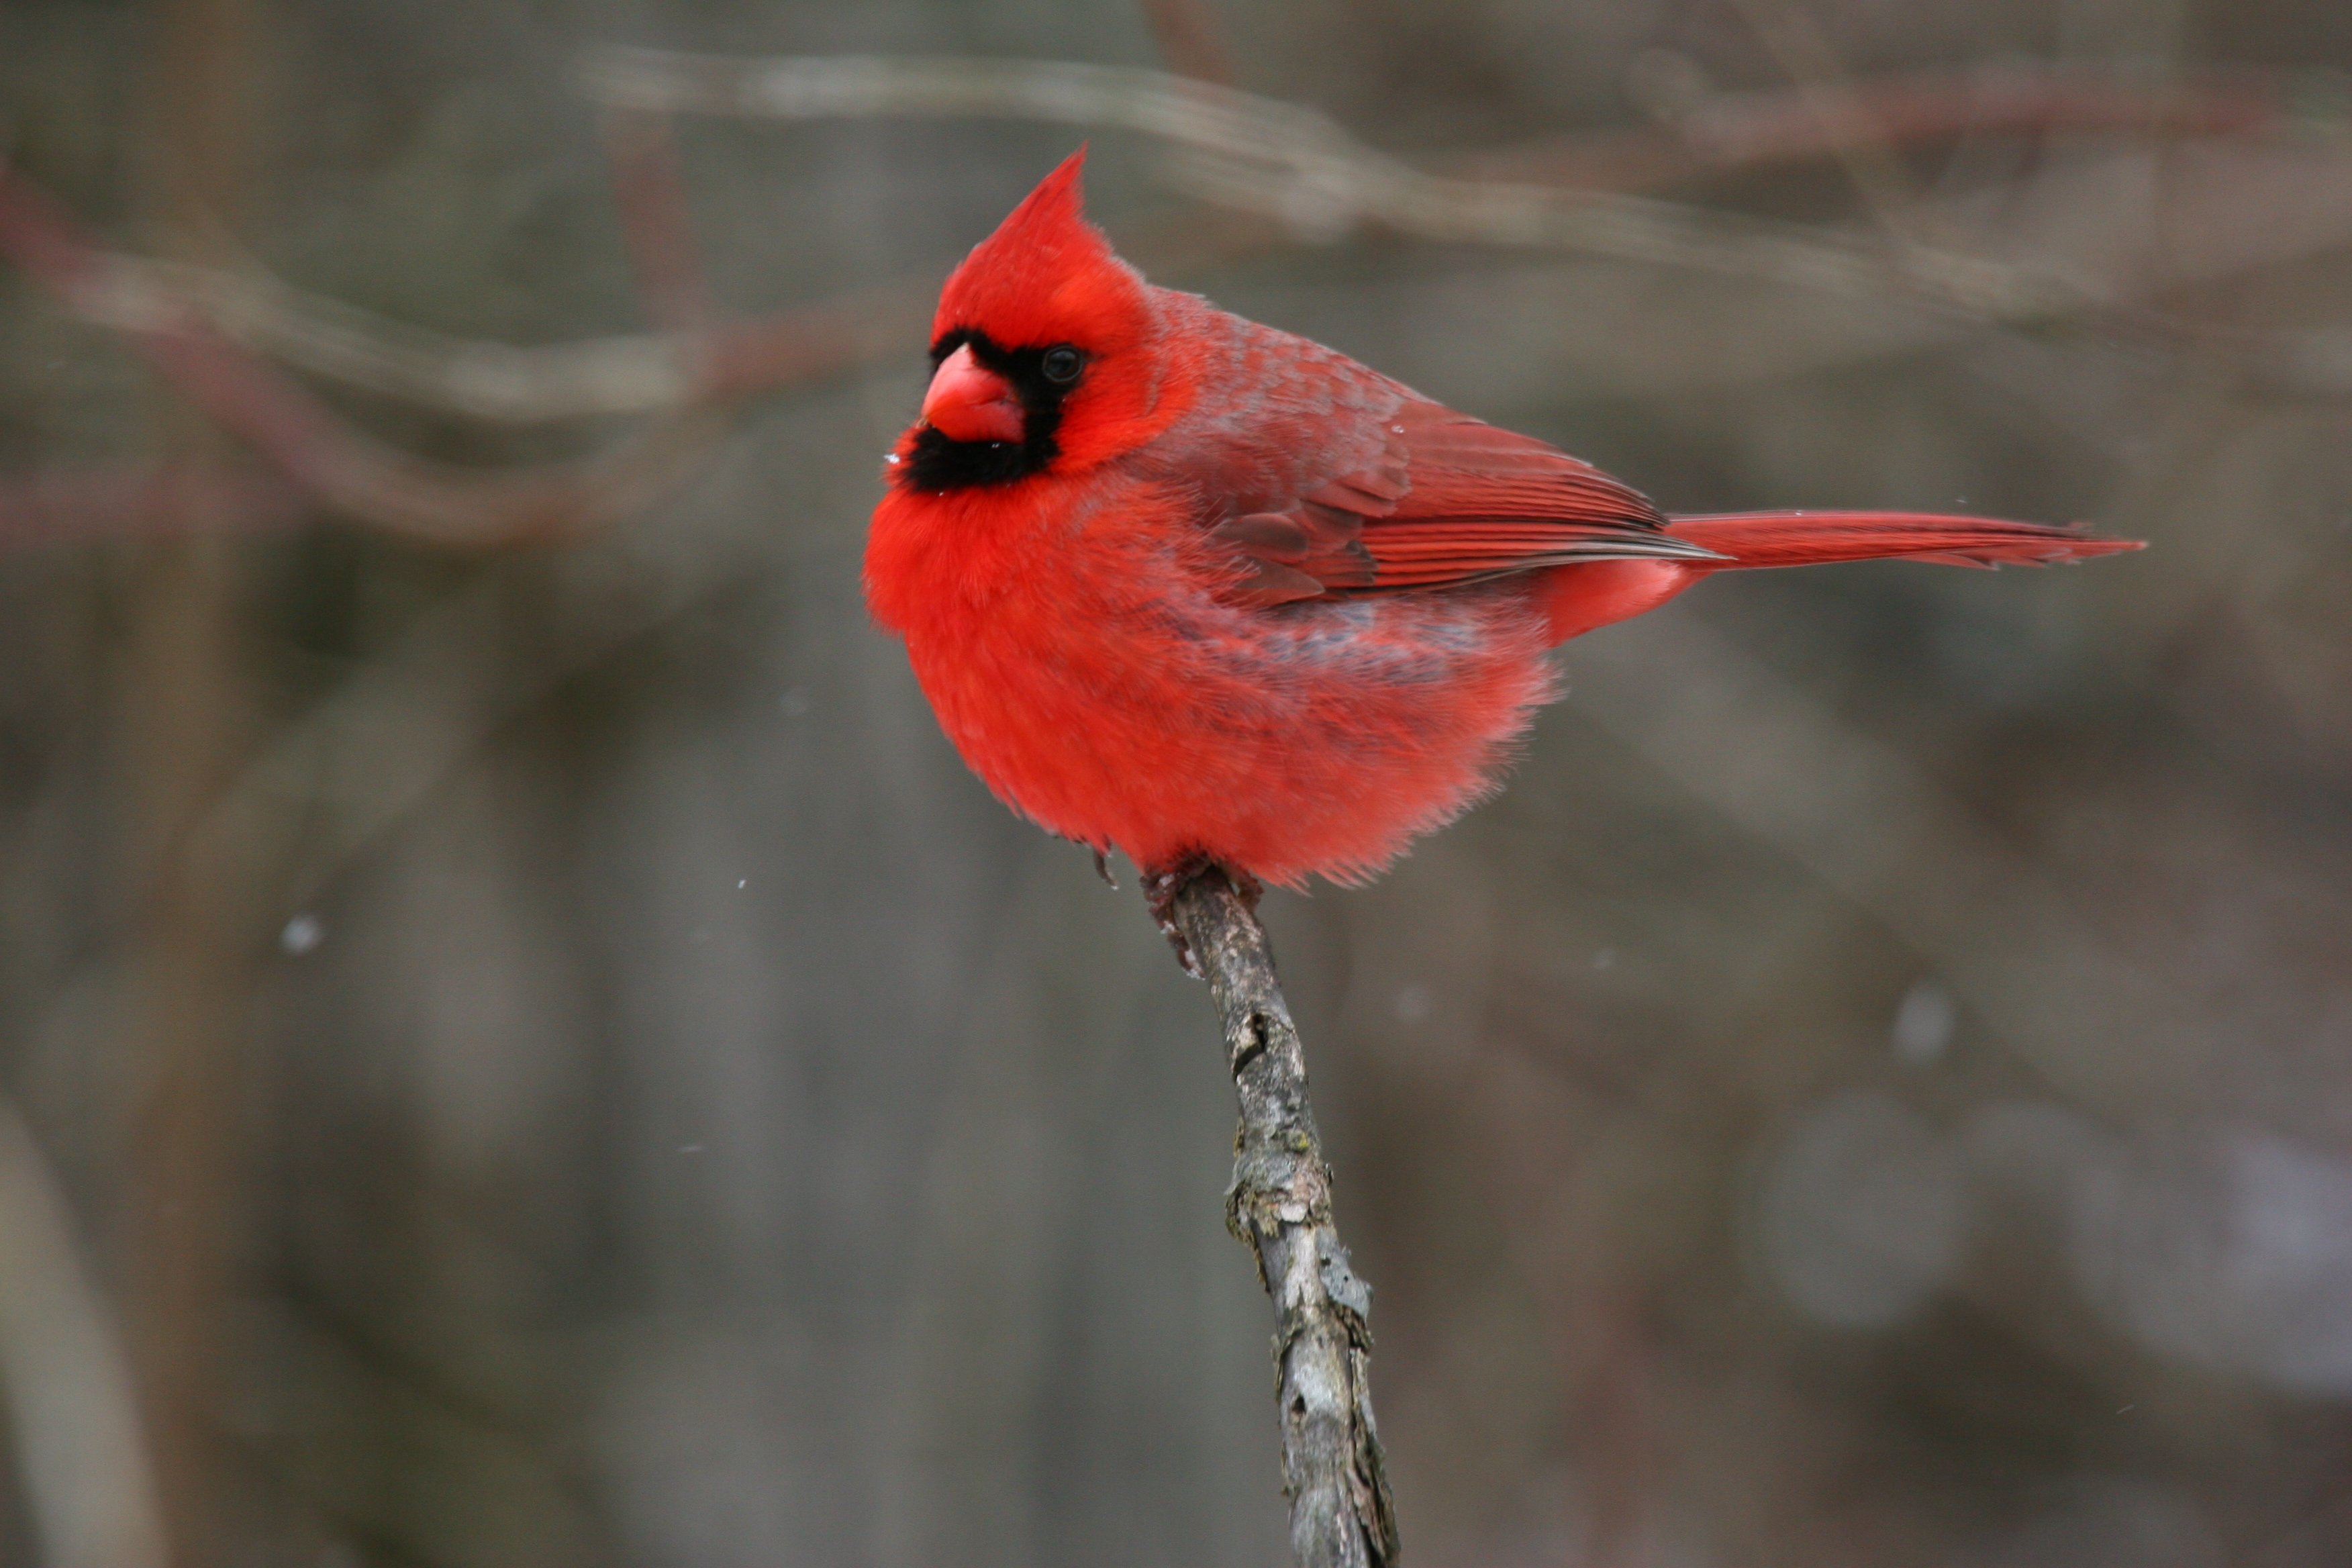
1044,353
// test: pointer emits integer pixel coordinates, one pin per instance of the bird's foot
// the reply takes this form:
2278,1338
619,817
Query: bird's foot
1160,889
1101,852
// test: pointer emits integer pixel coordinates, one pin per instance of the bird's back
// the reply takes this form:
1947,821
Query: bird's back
1274,415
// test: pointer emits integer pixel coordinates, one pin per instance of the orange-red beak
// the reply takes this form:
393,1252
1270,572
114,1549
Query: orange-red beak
970,402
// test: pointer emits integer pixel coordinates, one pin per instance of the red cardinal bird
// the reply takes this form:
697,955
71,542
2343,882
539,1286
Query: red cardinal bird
1207,593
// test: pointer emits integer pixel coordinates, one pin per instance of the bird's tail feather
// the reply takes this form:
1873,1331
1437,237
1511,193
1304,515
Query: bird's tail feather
1808,538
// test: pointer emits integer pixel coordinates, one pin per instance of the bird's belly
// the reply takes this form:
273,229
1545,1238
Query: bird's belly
1310,739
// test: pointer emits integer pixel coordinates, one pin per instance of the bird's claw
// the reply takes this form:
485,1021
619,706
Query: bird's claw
1160,889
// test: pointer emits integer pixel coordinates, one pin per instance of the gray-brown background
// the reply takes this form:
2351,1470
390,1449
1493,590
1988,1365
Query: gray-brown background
537,1052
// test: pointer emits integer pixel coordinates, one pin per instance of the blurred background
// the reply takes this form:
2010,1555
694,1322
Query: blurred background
519,1043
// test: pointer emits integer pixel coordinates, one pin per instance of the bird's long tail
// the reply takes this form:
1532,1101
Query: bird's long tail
1810,538
1577,598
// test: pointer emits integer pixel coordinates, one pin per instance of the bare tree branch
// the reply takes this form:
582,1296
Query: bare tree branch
645,373
204,326
640,373
1341,1515
1299,165
649,188
64,508
1827,91
321,452
471,378
1190,38
87,1480
184,724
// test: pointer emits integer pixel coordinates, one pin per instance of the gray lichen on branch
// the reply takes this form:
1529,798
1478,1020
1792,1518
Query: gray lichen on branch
1341,1515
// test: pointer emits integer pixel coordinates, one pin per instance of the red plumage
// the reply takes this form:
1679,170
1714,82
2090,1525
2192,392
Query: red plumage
1195,588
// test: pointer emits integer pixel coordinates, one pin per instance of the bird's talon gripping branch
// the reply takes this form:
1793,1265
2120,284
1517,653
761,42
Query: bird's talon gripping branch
1161,888
1102,868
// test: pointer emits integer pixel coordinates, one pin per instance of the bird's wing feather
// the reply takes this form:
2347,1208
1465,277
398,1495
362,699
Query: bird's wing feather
1409,494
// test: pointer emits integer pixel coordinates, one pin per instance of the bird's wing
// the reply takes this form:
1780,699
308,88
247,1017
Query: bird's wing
1445,499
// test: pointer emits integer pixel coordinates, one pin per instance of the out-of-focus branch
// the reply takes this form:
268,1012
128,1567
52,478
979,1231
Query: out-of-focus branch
65,1381
1298,165
469,378
476,379
1191,40
649,188
1827,91
1341,1515
70,508
184,728
716,363
205,327
317,450
1727,132
432,502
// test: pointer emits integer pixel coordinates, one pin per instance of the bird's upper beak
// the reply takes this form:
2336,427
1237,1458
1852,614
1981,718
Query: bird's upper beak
970,402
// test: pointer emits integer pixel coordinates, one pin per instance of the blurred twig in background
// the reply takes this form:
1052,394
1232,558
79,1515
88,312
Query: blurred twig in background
1191,40
186,725
65,1383
649,190
321,451
1299,166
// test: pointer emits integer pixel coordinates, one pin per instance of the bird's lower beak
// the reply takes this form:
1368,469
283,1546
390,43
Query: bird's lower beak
970,402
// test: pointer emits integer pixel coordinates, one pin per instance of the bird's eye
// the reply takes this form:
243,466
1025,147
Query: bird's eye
1062,364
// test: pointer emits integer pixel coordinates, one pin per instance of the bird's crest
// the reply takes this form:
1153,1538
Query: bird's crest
1046,275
